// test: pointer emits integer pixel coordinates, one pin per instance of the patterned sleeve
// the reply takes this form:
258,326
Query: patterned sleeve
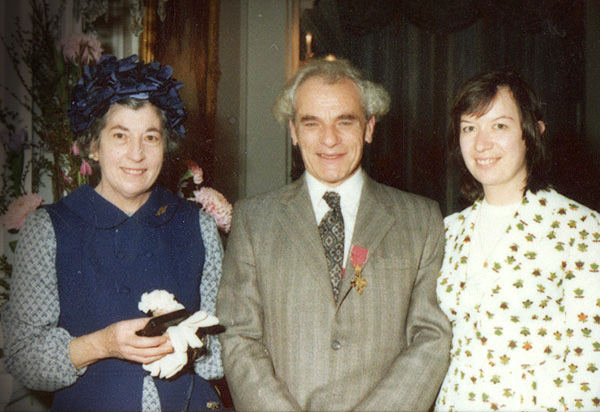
580,377
36,350
210,366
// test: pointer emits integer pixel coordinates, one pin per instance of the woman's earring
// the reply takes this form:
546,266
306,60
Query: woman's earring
93,156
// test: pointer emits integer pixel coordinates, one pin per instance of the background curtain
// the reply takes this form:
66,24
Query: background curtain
423,50
187,40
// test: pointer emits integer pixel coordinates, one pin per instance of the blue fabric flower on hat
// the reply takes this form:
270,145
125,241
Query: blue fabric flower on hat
111,80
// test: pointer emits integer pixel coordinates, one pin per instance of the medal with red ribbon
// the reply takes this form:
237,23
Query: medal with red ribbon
358,258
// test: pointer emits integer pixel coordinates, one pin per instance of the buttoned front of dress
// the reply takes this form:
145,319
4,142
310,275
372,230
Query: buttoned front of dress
105,260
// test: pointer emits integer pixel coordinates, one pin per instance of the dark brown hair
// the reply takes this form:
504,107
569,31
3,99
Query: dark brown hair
475,97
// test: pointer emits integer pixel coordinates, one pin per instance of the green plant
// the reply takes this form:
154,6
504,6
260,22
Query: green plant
47,74
47,67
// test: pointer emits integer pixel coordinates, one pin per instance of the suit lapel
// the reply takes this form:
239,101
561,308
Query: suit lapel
298,220
373,221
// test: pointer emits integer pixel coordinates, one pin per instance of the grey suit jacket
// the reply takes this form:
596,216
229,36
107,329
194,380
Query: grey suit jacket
288,346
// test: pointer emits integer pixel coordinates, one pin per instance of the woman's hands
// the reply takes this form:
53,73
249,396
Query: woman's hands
119,340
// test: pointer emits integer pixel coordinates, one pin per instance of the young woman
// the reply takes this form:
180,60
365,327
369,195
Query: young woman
520,281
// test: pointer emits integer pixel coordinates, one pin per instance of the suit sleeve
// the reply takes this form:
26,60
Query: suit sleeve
247,362
415,376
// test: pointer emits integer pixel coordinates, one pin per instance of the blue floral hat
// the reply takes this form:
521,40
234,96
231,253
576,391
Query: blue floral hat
111,80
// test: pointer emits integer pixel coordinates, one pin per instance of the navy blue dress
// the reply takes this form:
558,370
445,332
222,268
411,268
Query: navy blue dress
105,261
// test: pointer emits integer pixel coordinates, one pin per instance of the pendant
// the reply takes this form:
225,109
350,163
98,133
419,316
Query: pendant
358,282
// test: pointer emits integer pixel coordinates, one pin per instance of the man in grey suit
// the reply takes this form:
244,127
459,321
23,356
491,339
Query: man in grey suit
328,289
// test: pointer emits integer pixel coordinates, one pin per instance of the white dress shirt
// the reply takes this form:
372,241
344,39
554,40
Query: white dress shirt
349,192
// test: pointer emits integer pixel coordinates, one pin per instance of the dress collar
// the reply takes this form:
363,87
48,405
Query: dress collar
99,212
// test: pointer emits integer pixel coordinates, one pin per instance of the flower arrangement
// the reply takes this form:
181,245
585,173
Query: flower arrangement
212,201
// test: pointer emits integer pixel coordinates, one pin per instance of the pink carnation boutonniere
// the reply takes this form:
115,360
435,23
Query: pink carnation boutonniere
358,258
14,218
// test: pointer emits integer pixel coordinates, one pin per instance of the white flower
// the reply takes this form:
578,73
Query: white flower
159,302
182,336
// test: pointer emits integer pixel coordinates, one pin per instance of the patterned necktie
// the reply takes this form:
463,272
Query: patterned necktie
331,230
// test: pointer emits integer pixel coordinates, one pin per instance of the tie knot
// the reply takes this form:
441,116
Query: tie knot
332,199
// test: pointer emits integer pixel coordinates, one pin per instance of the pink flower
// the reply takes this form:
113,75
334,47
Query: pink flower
195,170
18,210
85,169
215,204
74,149
80,48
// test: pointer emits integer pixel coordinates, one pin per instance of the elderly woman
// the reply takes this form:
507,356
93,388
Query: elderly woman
520,280
83,263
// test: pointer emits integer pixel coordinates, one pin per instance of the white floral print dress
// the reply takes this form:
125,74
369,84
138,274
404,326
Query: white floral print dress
526,325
